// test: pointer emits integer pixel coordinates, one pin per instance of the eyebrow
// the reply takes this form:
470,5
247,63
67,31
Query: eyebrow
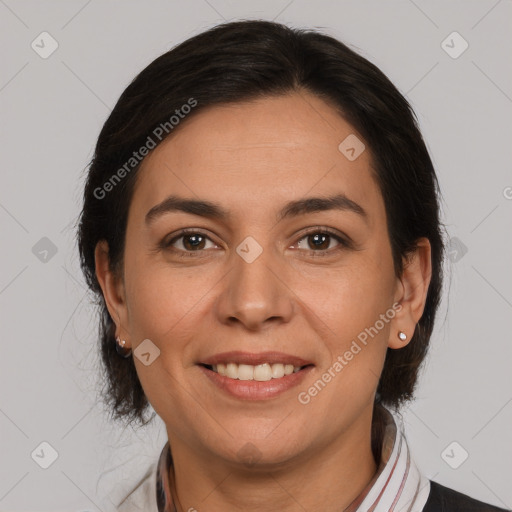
292,209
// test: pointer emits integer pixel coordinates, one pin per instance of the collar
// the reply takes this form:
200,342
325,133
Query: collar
396,486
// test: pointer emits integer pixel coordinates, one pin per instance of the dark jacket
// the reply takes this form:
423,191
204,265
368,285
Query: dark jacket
442,499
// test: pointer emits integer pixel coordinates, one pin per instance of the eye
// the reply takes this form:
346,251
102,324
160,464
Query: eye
321,240
188,241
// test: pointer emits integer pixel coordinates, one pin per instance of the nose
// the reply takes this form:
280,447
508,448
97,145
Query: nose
255,293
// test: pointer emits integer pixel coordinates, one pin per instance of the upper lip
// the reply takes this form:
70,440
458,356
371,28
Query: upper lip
255,359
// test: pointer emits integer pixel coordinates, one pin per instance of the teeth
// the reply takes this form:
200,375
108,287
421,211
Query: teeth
260,372
277,371
263,372
245,372
231,371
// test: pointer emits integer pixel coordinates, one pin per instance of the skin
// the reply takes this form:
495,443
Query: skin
251,158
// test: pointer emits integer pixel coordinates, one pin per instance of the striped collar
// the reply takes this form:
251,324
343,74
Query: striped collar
397,486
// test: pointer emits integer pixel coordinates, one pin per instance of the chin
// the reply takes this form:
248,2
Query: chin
263,454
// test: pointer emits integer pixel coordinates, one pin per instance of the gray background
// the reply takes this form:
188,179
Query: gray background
52,110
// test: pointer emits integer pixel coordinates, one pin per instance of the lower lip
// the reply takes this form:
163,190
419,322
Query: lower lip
253,389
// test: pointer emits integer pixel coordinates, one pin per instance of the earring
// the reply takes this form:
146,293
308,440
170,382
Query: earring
402,335
121,350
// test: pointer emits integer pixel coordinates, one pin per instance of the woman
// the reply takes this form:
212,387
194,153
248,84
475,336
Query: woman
261,226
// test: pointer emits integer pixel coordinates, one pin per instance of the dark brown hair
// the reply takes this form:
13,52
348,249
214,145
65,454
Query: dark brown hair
239,61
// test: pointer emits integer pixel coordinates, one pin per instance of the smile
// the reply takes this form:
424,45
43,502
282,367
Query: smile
255,376
261,372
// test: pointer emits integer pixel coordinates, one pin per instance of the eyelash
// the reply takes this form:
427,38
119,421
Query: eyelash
343,243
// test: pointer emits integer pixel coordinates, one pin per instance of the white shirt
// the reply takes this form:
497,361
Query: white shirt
397,485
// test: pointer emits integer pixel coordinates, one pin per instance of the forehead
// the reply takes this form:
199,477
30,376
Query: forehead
257,155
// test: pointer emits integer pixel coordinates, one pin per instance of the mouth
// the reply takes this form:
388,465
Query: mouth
261,372
261,367
255,376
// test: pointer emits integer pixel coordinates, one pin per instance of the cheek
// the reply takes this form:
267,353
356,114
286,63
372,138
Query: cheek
161,300
350,298
351,303
358,311
163,307
163,315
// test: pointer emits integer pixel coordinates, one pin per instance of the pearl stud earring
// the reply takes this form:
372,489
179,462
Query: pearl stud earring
121,350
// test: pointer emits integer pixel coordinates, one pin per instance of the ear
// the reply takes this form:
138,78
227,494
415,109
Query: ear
113,290
411,293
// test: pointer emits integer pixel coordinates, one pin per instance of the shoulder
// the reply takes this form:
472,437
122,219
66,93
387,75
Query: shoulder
443,499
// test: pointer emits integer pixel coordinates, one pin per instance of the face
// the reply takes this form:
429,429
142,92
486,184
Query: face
258,286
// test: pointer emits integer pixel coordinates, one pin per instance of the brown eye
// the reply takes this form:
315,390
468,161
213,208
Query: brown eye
321,241
193,242
188,241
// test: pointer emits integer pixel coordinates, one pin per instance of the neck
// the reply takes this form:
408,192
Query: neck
337,471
